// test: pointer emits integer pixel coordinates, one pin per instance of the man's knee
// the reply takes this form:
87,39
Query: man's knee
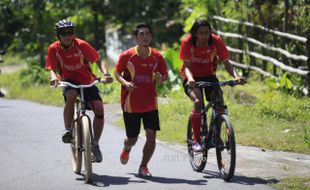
71,96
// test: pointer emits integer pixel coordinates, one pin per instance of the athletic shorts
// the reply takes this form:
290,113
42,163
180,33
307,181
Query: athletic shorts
209,92
133,122
90,94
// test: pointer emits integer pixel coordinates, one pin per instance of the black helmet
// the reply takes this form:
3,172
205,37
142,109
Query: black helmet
63,24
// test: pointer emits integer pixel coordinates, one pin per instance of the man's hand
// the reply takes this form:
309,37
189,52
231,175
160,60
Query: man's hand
158,78
191,83
130,86
107,79
240,80
54,82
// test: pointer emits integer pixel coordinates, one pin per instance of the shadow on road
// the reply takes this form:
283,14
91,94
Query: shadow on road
166,180
244,180
106,180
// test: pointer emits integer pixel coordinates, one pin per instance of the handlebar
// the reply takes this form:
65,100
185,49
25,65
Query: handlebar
65,83
202,84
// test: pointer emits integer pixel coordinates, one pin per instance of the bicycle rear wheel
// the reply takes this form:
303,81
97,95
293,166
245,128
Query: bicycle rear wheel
197,160
76,147
85,122
225,147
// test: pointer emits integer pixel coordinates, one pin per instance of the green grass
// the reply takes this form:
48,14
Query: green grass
45,94
293,183
12,59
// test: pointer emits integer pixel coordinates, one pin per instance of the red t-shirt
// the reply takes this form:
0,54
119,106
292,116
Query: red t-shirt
72,63
203,59
140,71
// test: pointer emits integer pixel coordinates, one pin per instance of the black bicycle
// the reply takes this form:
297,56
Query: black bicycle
219,136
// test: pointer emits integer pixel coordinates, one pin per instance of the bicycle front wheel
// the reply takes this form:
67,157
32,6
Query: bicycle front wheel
197,160
85,122
76,145
225,147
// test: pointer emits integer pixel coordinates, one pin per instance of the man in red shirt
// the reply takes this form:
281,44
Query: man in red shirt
68,59
138,70
201,51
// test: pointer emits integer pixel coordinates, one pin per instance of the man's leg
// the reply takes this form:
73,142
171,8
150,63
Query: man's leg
149,146
98,122
132,124
69,108
68,114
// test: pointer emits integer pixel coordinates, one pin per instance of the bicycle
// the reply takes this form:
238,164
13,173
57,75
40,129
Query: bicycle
83,138
221,136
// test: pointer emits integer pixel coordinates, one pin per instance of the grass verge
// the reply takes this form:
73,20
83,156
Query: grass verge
293,183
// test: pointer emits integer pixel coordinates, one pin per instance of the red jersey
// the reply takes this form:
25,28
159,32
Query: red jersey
203,59
140,71
72,63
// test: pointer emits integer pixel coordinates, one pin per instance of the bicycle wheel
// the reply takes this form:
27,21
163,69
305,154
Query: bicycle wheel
225,147
76,147
85,122
197,160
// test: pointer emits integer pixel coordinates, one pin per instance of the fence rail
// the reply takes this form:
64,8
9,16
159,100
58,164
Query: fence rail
263,53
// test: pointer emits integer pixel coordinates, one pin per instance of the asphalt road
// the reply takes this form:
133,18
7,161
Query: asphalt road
33,157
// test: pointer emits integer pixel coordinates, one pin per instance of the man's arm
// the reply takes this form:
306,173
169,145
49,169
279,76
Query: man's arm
189,75
102,66
129,85
230,69
105,70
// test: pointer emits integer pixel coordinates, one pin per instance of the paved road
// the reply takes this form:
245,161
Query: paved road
33,157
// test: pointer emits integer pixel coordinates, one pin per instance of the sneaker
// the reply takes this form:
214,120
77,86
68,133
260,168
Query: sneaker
67,136
96,153
197,147
144,172
124,156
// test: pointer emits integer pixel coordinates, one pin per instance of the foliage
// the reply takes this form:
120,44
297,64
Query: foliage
285,83
34,74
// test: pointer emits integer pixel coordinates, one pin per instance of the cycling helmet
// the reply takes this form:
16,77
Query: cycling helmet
63,24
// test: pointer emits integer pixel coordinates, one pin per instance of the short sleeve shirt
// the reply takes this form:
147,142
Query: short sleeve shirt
140,71
72,63
203,59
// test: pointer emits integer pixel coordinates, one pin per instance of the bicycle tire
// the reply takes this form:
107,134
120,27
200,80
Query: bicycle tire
85,122
225,147
197,160
76,147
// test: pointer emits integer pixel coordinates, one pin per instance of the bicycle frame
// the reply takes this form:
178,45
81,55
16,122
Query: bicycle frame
80,103
210,132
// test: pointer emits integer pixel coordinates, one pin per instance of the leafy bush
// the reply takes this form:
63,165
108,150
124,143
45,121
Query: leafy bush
34,74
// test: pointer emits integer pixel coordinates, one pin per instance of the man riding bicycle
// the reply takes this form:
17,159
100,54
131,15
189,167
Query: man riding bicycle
68,59
201,51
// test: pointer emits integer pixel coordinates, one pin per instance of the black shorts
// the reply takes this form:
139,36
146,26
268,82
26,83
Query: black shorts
209,91
133,122
90,94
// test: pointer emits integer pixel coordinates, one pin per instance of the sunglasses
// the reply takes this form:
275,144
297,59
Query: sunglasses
66,33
